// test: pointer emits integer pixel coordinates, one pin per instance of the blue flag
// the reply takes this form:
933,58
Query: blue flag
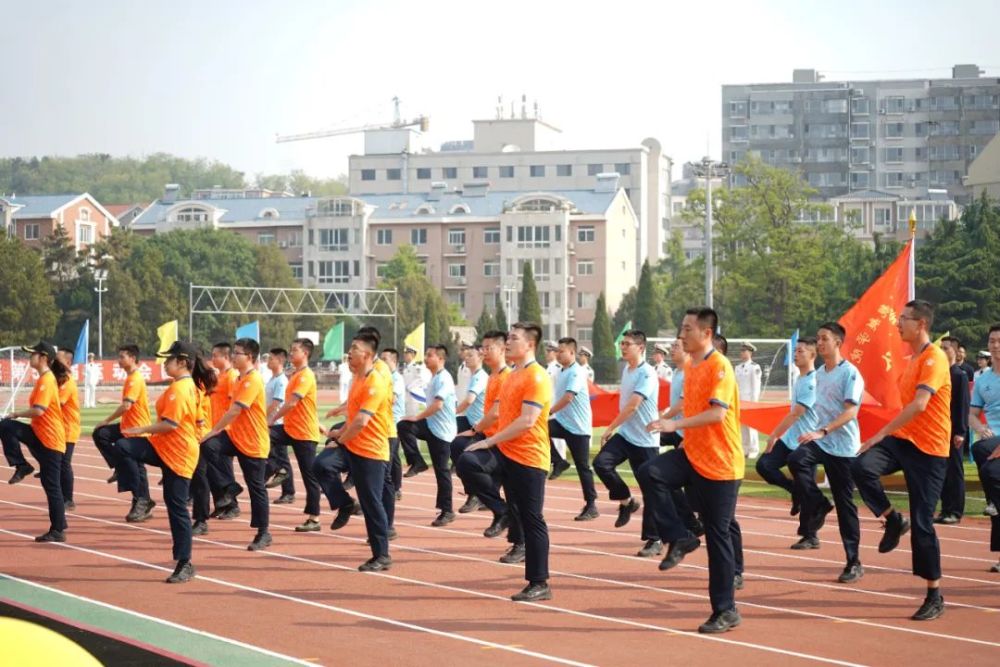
251,330
790,352
82,344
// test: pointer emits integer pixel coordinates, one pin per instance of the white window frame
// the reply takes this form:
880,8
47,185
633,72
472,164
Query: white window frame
32,231
383,237
587,234
456,237
491,236
582,264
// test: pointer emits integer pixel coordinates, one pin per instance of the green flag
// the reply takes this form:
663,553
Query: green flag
618,340
333,343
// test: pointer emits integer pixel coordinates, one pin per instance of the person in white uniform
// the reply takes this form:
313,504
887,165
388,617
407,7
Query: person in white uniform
748,381
91,378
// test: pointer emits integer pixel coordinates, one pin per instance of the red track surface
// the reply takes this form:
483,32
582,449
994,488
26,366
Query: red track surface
446,598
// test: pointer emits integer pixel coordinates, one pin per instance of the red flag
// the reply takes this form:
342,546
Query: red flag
604,403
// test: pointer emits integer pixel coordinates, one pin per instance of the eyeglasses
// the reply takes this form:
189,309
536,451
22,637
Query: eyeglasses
241,354
626,343
909,317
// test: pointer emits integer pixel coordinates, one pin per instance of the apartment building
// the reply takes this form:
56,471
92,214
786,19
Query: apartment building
903,136
32,218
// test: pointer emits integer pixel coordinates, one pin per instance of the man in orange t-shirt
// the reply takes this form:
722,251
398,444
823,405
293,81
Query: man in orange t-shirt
242,432
522,439
363,441
221,400
710,463
917,441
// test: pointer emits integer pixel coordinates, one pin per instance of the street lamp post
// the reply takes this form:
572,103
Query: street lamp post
100,275
709,169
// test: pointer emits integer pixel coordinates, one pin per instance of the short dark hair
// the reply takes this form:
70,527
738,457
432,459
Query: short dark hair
719,342
368,339
306,345
223,347
924,310
951,339
808,340
834,328
393,351
568,341
131,349
372,331
636,335
279,352
495,335
439,349
707,318
250,346
533,330
995,327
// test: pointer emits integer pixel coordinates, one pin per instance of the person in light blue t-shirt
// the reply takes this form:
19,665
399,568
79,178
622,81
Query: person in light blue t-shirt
572,420
470,412
626,438
986,401
274,398
435,425
391,358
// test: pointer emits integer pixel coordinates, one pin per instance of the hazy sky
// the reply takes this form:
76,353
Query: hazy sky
219,78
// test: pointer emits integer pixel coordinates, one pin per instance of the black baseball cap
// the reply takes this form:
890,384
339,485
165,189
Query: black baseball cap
180,348
43,347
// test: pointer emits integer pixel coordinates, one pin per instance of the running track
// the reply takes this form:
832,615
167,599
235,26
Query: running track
447,598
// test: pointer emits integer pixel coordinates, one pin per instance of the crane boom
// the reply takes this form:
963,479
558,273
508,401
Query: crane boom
421,121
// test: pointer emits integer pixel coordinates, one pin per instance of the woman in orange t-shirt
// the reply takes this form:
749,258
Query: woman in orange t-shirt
69,401
171,444
45,437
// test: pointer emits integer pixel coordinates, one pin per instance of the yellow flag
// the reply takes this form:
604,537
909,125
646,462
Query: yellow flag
415,339
941,338
913,221
167,333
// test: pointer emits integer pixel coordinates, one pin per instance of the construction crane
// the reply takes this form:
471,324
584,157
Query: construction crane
423,122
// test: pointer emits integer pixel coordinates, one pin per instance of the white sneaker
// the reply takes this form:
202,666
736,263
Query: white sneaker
991,510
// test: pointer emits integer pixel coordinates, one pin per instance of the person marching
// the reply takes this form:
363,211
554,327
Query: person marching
801,418
69,399
417,377
296,423
711,463
222,400
171,444
132,411
437,427
242,432
572,420
748,375
626,437
279,467
986,451
523,443
916,441
364,441
832,443
953,491
558,452
470,412
45,436
390,356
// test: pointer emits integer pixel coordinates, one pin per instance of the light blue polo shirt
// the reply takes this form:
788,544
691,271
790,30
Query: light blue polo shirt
577,417
843,384
986,396
275,391
477,387
677,396
442,423
804,394
641,380
398,396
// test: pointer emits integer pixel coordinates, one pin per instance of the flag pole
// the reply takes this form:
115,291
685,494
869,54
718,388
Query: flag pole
913,254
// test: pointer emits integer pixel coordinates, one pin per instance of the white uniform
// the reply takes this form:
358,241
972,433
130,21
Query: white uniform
344,370
748,380
91,378
589,371
462,379
415,377
554,369
664,371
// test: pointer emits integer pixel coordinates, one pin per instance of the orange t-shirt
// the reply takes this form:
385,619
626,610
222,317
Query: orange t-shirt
368,394
135,391
529,384
48,427
204,414
930,430
493,387
382,369
222,396
302,422
249,430
69,399
180,405
714,451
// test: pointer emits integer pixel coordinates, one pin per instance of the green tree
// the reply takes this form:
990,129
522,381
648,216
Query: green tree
500,316
682,282
484,323
604,343
27,308
626,310
649,306
60,258
432,324
272,270
528,308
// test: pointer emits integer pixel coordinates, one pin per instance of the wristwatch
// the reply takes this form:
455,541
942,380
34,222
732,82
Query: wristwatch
825,431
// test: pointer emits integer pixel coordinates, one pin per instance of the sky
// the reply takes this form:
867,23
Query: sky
219,79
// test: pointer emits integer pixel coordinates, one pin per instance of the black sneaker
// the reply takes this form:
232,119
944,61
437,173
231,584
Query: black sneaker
472,504
229,513
277,479
995,567
199,528
113,478
496,528
696,527
52,536
443,519
796,507
626,511
533,593
650,549
20,472
514,555
348,484
376,564
392,533
677,551
415,469
344,515
806,543
142,510
260,541
229,495
930,609
896,525
852,572
284,499
817,520
399,496
588,513
308,526
559,466
70,506
738,582
722,621
183,573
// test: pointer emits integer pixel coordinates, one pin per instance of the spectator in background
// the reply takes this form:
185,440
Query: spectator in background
953,491
982,364
970,370
91,378
583,358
